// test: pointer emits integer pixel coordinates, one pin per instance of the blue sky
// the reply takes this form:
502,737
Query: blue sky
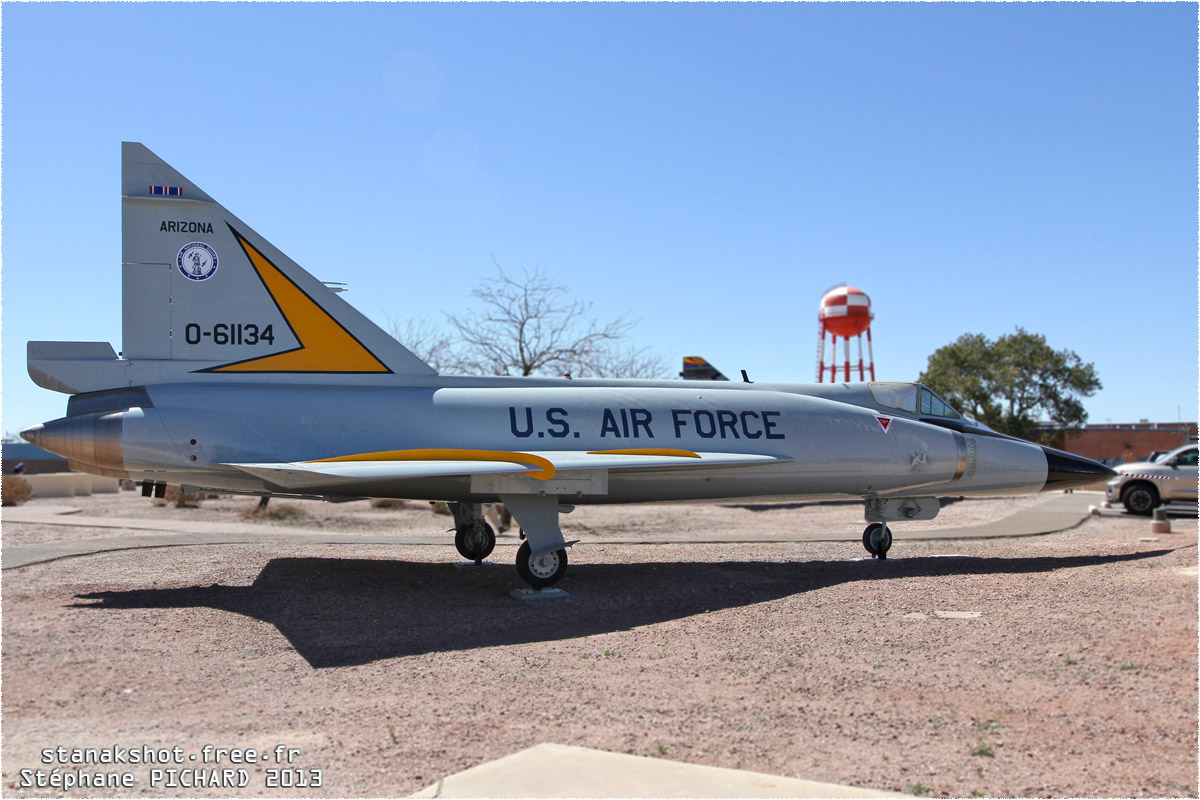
708,169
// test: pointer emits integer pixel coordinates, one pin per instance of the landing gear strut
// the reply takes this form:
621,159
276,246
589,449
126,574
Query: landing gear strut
882,510
542,557
877,539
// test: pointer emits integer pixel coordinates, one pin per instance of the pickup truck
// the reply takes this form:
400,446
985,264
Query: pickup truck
1145,485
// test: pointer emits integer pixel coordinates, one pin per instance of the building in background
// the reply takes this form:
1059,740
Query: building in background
1113,444
35,460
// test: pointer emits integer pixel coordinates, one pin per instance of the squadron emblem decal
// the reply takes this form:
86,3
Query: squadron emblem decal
197,261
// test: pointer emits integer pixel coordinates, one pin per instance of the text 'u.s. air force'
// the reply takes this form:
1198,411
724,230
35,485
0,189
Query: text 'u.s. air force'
640,423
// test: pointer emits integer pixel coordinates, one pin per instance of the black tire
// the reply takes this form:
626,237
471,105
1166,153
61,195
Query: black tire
1140,498
542,572
871,540
475,541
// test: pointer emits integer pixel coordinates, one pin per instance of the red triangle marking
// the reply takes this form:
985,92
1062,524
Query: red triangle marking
885,423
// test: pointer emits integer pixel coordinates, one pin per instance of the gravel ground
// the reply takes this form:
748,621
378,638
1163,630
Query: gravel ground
1061,665
645,522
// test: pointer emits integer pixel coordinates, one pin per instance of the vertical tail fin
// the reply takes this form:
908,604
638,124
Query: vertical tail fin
697,368
200,285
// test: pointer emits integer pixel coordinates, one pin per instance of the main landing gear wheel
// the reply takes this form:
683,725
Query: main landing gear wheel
542,571
475,541
877,539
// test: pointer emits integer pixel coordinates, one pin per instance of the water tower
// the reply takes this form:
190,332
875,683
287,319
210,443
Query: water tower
845,312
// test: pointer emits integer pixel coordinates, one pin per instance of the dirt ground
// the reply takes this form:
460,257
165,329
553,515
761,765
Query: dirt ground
1060,665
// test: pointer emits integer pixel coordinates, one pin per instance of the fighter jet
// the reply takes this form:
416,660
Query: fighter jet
242,373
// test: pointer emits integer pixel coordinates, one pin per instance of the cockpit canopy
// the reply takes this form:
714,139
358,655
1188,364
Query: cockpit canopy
912,398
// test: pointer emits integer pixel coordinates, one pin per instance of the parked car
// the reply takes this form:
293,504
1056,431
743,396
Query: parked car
1145,485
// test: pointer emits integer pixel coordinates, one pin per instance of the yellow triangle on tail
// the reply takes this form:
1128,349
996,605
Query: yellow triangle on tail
325,346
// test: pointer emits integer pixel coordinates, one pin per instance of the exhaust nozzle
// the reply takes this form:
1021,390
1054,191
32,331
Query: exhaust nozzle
91,442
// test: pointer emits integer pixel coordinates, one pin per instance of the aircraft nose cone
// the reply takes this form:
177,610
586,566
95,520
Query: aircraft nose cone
32,434
1067,471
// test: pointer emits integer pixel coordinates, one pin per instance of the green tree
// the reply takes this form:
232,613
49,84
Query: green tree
1012,382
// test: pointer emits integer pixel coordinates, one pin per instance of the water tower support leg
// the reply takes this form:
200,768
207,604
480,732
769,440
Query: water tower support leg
821,356
870,354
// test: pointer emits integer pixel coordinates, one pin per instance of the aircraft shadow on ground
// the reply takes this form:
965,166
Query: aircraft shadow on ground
346,612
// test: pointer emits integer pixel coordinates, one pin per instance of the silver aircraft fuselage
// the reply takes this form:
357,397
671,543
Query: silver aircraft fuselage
191,434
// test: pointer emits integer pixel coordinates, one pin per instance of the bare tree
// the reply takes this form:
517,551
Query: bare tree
531,326
427,342
624,362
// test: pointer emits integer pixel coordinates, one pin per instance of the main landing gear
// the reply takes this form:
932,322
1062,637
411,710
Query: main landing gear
473,537
877,539
542,557
541,571
475,541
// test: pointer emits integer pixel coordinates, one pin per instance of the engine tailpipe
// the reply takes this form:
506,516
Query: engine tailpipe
90,442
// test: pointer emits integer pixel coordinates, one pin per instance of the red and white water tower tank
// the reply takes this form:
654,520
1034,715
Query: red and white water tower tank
845,312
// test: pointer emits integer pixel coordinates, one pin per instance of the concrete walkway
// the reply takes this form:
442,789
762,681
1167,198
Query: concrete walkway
1059,513
556,770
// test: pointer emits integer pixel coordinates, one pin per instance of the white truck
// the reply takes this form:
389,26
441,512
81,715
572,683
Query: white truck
1145,485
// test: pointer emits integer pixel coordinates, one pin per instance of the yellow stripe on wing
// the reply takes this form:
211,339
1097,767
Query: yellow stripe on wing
453,454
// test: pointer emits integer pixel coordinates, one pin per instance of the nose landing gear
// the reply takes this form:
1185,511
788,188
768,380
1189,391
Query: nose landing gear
877,539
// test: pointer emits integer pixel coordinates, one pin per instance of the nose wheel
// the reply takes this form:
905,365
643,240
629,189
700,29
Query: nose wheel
475,540
877,539
543,571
